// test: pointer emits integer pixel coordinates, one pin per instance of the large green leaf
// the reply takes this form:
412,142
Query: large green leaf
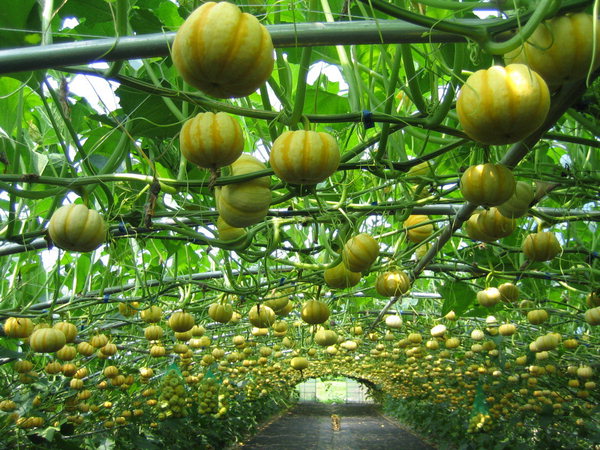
458,296
7,353
17,19
88,12
168,15
145,22
100,144
148,114
319,101
15,95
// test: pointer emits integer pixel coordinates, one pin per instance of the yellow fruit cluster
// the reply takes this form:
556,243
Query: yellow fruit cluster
480,423
172,399
209,396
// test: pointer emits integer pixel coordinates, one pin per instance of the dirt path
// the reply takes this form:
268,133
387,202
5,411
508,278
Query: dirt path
308,426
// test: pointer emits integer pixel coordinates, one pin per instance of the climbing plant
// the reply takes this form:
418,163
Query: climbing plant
196,215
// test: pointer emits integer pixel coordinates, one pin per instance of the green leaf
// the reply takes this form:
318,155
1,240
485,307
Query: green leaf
106,444
458,296
32,278
357,304
145,22
150,117
327,54
142,442
100,145
168,14
32,39
534,287
82,271
16,16
12,92
48,433
319,101
39,161
88,12
6,353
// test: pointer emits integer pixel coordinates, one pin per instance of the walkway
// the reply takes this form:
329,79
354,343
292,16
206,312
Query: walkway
308,426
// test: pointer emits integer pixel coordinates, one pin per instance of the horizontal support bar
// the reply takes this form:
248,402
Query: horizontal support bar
158,44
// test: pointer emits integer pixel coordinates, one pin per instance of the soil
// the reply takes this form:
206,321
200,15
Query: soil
309,426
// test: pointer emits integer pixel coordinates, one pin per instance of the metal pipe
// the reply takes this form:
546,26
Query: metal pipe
158,44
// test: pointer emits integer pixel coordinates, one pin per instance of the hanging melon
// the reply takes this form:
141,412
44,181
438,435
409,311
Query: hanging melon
223,51
339,277
542,246
77,228
503,105
246,203
211,140
414,231
487,184
304,157
360,252
561,49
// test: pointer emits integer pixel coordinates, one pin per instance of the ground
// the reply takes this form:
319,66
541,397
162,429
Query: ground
308,426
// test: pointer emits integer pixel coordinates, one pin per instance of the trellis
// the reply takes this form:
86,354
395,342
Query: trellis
196,289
